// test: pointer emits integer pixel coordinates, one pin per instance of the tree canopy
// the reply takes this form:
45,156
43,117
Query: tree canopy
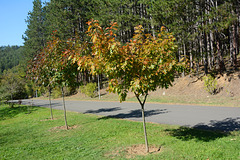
140,66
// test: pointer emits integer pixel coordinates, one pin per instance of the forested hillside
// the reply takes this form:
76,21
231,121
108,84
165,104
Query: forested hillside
206,31
10,57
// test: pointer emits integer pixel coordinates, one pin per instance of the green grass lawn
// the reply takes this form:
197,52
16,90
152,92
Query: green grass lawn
28,134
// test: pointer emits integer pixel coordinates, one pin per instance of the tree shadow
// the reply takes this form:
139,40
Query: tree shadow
54,105
136,114
206,133
10,112
102,94
186,134
226,125
104,110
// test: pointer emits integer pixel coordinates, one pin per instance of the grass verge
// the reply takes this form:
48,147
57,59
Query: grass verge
210,100
28,133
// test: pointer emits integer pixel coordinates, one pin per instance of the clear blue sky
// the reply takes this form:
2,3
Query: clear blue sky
12,21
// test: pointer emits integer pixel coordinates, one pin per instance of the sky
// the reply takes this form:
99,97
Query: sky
13,14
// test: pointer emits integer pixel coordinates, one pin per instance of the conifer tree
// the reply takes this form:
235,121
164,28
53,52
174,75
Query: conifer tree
35,34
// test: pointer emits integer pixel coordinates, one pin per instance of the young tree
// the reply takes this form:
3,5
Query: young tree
40,74
140,66
52,68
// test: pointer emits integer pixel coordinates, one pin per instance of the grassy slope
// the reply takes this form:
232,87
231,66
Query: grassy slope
27,136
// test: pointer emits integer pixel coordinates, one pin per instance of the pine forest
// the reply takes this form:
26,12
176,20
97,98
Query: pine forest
206,34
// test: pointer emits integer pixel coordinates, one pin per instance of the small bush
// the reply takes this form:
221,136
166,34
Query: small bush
210,84
89,89
57,92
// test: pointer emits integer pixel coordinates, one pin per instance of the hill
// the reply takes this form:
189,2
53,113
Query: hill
10,56
191,90
186,90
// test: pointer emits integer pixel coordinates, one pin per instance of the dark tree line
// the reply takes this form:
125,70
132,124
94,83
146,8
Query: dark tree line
207,31
10,56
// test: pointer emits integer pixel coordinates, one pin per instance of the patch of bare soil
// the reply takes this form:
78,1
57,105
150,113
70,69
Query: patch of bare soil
141,150
59,128
135,150
190,89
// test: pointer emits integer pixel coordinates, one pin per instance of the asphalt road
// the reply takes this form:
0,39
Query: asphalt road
204,117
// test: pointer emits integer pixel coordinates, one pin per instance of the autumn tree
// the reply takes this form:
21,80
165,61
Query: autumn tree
140,66
40,73
52,68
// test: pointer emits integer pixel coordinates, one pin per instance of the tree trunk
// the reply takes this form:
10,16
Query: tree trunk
11,104
231,45
143,117
152,26
185,55
205,55
144,127
191,55
212,49
99,94
221,64
235,46
209,52
64,108
50,104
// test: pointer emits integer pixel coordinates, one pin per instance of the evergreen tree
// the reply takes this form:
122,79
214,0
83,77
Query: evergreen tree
35,34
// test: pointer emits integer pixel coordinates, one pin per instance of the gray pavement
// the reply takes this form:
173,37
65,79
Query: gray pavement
204,117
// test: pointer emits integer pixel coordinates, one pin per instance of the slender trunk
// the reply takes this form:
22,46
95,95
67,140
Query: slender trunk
50,104
64,108
201,49
237,29
212,49
231,45
185,55
12,104
143,117
209,52
208,36
99,94
144,127
191,56
235,46
205,55
152,26
205,65
221,64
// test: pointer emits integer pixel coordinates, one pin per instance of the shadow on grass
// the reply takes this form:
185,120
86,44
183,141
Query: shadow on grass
103,110
7,112
226,125
136,114
209,132
186,134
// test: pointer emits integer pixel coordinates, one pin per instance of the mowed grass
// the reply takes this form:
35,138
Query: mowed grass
27,133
